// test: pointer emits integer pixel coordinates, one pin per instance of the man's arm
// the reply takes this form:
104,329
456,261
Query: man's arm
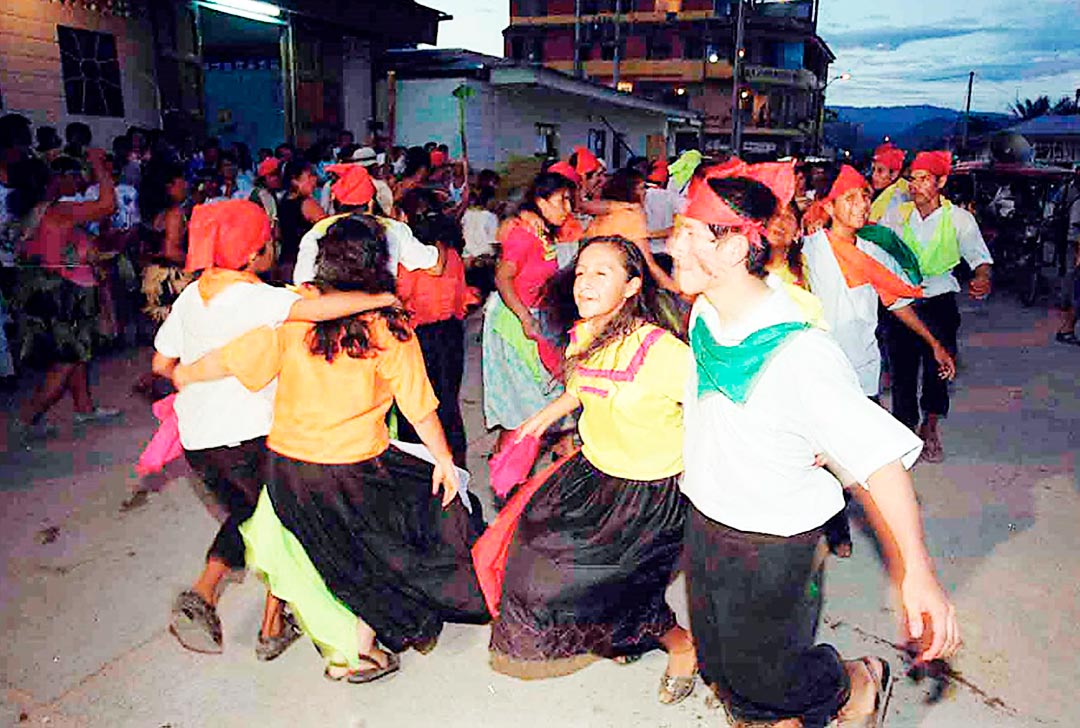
945,362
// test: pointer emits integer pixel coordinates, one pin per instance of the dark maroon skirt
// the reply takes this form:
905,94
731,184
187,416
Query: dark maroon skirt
587,570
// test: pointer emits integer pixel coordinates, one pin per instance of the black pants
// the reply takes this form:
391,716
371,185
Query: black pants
908,352
234,475
755,601
443,344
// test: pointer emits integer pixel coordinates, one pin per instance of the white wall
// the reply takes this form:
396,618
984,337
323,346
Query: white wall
30,76
356,86
500,122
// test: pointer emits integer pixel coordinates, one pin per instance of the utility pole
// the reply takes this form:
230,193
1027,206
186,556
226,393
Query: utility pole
578,70
967,113
618,36
736,78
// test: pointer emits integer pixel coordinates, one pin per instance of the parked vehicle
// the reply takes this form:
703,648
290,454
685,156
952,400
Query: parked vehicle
1023,214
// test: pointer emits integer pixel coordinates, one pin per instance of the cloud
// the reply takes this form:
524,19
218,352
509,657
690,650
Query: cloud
891,38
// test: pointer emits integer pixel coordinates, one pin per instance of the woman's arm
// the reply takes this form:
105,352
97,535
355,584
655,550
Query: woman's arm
211,367
163,365
338,304
505,273
539,423
173,247
659,274
892,491
431,434
104,205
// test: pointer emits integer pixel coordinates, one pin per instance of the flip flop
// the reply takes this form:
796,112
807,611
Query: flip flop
365,675
1067,337
883,692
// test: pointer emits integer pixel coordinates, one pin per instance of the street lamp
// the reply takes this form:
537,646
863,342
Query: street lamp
845,76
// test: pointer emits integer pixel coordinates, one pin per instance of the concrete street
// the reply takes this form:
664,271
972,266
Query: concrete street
86,588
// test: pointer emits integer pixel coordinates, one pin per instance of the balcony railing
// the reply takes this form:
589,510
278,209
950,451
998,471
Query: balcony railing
781,76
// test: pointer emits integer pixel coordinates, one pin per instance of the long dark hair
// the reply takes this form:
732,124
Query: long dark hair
752,200
620,185
353,257
543,187
154,189
292,170
642,307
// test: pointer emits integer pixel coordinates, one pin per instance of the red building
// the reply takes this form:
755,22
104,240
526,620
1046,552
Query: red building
683,52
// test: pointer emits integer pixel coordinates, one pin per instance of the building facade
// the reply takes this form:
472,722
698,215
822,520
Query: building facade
513,111
258,72
683,52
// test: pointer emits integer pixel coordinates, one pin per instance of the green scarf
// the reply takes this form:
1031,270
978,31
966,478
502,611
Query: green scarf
734,370
891,243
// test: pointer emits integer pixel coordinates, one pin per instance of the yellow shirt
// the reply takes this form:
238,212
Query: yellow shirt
632,393
808,303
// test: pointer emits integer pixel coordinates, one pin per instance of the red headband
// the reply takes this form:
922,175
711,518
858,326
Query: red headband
438,158
353,185
938,164
659,172
586,161
268,166
889,155
226,234
704,205
848,179
564,169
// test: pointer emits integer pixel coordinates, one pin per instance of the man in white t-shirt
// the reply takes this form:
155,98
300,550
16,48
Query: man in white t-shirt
768,395
354,191
222,424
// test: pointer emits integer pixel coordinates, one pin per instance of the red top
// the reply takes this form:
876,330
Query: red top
534,259
431,299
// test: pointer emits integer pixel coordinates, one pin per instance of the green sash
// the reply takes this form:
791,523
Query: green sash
734,370
891,243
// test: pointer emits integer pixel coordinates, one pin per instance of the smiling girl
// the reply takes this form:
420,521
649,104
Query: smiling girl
596,546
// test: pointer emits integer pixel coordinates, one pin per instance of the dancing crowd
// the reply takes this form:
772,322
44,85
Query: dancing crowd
683,359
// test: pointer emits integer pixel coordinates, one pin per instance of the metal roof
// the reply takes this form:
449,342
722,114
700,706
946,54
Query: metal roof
1049,125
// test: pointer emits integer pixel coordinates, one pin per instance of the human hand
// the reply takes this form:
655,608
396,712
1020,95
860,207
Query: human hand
446,476
922,596
820,460
181,376
532,328
946,363
535,426
979,287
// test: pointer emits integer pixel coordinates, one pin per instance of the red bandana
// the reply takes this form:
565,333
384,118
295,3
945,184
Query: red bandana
938,164
353,185
564,169
226,234
890,156
848,179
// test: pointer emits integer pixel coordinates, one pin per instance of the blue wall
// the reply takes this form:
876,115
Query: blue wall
251,94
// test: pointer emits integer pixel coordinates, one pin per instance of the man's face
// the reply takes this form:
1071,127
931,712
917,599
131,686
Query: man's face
881,176
925,187
694,249
852,209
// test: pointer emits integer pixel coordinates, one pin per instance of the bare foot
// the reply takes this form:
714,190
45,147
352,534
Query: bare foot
682,663
864,678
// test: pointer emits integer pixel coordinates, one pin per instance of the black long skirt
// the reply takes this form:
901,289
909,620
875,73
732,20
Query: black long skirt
383,544
586,572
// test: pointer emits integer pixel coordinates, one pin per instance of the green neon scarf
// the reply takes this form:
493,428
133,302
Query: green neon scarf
734,370
891,243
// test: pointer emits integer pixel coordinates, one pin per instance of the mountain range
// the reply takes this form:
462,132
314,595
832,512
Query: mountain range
860,129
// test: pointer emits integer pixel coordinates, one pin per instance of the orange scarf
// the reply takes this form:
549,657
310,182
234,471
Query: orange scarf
215,280
860,269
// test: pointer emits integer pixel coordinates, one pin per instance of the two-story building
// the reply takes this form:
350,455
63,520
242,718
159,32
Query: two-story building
683,52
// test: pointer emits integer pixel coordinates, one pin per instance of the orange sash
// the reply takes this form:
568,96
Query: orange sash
215,280
860,269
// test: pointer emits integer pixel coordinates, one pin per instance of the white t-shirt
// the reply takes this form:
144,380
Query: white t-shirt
852,313
972,246
403,247
750,466
479,228
661,207
222,412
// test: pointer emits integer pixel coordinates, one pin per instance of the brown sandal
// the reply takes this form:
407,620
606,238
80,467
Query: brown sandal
675,689
195,624
883,686
360,676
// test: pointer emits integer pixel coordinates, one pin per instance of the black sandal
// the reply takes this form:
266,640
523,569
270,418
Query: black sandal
270,648
195,624
365,675
1067,337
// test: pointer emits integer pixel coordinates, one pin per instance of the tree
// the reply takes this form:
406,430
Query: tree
1028,109
1066,107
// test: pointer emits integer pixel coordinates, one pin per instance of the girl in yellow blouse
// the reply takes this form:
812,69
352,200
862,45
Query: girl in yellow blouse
596,546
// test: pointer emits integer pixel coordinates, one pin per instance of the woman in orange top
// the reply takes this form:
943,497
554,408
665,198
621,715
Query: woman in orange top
437,306
361,518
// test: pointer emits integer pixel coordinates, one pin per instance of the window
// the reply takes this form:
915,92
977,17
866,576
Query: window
692,47
91,72
547,140
598,143
607,49
517,48
531,8
658,46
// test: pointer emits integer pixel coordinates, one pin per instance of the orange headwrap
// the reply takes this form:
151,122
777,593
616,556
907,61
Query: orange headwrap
226,234
706,206
353,185
938,164
564,169
889,155
848,179
659,172
586,161
269,166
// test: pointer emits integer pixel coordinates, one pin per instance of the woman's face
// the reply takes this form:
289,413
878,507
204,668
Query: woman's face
177,190
782,228
306,183
601,287
555,209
